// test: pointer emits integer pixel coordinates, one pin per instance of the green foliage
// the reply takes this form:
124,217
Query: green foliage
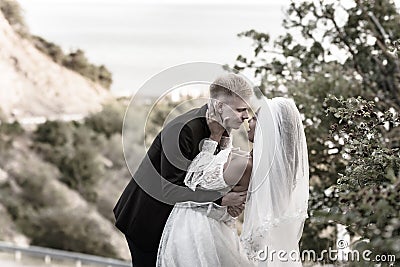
75,61
49,213
323,54
8,132
2,115
52,50
112,149
13,128
108,122
13,14
81,169
85,153
69,146
369,189
71,230
67,164
361,127
78,62
55,133
30,182
359,47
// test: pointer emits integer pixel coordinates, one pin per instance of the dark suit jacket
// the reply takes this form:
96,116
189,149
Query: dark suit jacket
145,204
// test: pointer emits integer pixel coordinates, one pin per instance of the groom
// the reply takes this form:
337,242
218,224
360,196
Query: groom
145,204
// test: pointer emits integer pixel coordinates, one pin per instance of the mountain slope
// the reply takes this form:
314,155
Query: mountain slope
31,84
36,206
45,211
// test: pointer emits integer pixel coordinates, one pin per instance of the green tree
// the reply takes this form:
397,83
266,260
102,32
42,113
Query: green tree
368,190
320,54
316,36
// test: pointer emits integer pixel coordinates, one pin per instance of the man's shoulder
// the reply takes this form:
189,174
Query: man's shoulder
192,118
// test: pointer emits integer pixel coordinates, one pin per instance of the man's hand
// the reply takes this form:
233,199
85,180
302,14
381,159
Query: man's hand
234,198
216,130
216,124
235,211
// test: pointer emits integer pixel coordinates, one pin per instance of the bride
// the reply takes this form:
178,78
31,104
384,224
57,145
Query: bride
276,175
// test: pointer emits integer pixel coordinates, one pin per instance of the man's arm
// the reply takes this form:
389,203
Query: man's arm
178,146
177,143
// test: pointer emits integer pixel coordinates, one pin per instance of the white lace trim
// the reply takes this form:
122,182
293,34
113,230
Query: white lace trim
249,243
225,142
206,169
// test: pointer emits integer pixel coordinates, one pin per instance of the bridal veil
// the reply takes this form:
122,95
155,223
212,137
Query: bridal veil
277,199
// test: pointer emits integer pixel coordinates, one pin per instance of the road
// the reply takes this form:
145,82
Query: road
42,119
8,260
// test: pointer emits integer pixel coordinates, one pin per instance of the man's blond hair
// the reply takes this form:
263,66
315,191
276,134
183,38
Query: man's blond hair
230,85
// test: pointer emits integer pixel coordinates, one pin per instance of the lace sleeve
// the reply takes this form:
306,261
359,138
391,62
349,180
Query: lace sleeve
206,169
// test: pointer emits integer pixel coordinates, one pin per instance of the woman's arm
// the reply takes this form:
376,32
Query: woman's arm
238,172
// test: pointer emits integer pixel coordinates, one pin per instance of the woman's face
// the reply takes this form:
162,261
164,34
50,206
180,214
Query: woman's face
252,127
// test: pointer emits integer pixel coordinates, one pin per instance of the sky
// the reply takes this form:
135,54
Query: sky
241,2
137,39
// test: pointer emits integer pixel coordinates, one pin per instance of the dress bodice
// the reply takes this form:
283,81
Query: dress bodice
206,169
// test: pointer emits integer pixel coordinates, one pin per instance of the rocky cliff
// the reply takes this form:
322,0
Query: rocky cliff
31,84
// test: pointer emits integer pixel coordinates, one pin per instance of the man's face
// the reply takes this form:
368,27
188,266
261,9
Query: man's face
236,109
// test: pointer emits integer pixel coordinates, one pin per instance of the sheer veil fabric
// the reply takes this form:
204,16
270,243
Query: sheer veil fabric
277,199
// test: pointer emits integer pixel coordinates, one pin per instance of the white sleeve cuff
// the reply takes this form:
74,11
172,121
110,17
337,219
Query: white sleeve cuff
209,146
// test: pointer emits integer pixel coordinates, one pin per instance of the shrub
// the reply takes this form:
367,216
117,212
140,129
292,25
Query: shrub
71,230
78,62
12,129
52,50
49,213
71,148
368,192
108,122
55,133
12,12
81,171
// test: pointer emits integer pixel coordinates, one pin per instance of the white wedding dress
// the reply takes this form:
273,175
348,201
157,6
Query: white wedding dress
202,234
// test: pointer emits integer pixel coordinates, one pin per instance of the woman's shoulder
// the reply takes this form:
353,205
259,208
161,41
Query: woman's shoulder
238,152
242,160
239,171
